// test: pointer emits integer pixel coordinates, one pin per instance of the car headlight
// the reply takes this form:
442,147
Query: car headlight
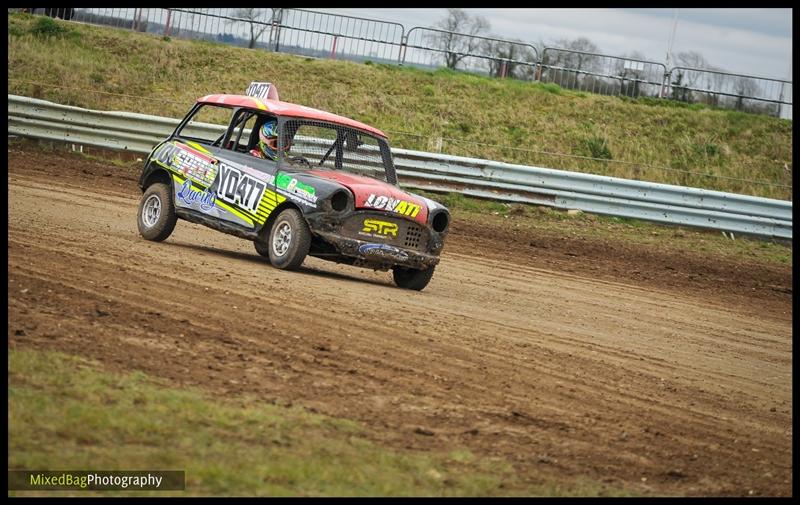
340,200
440,221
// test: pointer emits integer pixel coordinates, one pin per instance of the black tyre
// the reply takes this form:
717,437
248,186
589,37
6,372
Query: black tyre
411,278
157,216
262,248
289,240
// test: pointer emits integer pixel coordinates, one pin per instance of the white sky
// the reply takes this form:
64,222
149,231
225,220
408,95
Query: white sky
755,42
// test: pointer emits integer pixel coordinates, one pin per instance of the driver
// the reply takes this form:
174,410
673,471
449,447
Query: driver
267,147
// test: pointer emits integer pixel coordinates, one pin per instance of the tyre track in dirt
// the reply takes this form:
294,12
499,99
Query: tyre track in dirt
566,376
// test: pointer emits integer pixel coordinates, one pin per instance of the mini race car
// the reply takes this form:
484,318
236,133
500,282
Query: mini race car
330,192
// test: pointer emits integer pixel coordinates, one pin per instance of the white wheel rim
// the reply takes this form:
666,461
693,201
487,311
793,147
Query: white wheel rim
151,211
282,238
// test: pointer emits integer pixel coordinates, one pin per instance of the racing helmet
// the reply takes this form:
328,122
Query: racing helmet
268,139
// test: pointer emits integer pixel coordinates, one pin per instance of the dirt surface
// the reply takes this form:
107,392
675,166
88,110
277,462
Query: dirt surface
628,367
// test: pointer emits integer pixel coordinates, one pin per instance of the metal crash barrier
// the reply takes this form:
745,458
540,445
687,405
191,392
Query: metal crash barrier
505,182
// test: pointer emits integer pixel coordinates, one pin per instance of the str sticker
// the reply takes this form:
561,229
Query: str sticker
379,229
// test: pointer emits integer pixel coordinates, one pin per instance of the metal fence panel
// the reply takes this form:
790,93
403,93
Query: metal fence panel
325,35
602,74
433,48
730,91
439,172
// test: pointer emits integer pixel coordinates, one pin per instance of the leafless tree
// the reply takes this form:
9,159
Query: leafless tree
577,59
507,59
571,61
692,59
458,39
256,18
680,92
698,74
744,88
632,72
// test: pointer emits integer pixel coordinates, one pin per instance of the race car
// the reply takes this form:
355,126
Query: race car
296,181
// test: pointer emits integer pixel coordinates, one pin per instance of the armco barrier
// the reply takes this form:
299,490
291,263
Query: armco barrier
506,182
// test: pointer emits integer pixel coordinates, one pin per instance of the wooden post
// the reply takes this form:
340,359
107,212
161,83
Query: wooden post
166,28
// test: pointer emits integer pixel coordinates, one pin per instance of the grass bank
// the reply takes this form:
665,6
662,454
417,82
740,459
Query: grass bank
66,412
457,113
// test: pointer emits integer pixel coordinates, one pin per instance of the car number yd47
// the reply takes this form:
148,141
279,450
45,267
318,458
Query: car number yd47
239,188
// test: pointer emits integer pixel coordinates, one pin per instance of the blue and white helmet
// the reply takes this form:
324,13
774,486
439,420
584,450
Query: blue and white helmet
268,139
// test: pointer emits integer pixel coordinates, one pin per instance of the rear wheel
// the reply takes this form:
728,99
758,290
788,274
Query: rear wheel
411,278
157,216
289,240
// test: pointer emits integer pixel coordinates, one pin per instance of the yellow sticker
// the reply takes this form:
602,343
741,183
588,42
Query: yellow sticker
380,227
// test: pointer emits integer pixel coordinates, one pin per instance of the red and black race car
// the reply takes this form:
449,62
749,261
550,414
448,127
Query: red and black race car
294,180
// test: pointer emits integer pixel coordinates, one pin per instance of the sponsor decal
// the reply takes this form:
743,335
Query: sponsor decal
382,251
188,162
380,229
166,153
390,204
188,195
239,188
292,186
267,205
260,175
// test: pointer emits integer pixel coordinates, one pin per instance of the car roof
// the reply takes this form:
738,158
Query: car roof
287,109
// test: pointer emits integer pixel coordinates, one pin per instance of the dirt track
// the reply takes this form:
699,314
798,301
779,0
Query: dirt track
566,374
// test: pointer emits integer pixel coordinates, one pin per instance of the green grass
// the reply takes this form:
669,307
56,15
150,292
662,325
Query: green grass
520,122
66,413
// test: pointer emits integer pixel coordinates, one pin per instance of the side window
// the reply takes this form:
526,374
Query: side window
316,143
244,136
208,125
337,147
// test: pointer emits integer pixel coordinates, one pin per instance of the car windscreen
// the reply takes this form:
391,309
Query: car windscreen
207,124
327,145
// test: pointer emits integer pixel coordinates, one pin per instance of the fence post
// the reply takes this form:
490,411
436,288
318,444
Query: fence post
276,23
665,83
271,27
169,17
402,46
401,56
138,22
333,49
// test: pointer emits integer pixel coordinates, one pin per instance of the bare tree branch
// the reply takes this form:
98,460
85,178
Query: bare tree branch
459,40
253,17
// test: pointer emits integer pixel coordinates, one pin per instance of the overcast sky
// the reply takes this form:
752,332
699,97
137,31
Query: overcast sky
748,41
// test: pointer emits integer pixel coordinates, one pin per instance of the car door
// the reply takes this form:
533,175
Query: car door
215,174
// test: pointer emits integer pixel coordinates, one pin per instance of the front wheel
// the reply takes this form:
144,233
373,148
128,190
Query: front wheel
262,248
411,278
157,216
289,240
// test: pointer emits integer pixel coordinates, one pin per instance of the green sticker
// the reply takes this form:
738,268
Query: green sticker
289,183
